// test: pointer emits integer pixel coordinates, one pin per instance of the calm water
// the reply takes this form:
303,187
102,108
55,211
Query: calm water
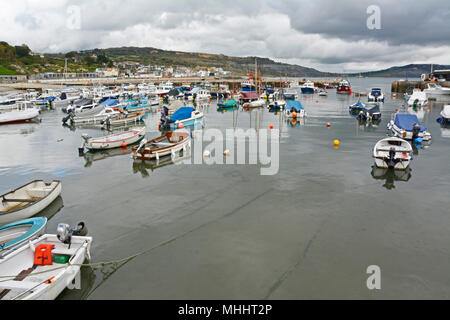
226,232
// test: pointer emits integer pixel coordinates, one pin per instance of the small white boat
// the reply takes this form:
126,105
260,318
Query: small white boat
167,144
22,112
375,95
123,119
255,104
116,140
28,200
418,98
445,114
41,269
95,116
393,153
323,92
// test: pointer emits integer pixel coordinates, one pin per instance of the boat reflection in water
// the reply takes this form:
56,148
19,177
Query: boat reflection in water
91,156
81,290
295,123
52,209
390,176
141,166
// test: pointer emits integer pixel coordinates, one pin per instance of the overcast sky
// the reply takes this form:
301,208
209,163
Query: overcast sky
325,34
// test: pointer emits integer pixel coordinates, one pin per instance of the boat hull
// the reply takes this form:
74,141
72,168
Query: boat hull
30,209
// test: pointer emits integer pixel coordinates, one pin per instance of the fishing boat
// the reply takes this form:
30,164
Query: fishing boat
23,112
167,144
392,152
371,112
407,126
79,105
185,116
227,104
28,200
42,268
308,87
290,94
344,87
445,115
116,140
294,109
418,99
15,234
375,95
357,107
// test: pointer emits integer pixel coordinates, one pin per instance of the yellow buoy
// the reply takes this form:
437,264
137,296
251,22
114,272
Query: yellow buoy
336,143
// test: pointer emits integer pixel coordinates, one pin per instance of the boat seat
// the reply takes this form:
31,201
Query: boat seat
39,192
17,284
162,144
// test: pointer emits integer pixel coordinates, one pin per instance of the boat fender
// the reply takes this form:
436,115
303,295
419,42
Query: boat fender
43,255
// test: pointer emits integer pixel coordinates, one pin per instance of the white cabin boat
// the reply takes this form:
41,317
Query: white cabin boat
418,99
23,111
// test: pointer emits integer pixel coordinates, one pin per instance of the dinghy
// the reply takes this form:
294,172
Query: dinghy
323,92
116,140
167,144
294,109
392,152
15,234
407,126
28,200
23,112
41,269
185,116
277,104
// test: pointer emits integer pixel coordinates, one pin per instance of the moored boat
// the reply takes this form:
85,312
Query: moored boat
407,126
16,233
344,87
22,112
28,200
294,109
357,107
184,116
445,115
371,112
42,268
418,99
392,152
116,140
227,104
375,95
308,87
167,144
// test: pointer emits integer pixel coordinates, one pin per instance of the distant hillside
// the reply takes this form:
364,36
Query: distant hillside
239,65
408,71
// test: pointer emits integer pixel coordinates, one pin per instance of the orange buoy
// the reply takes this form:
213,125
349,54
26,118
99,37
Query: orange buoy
124,144
180,125
328,124
294,114
271,126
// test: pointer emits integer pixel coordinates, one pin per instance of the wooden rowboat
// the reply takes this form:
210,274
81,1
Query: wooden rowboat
167,144
28,200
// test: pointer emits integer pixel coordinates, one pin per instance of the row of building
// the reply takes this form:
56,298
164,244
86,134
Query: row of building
125,69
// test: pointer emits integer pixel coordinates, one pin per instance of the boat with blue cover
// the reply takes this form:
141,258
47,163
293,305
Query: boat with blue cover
407,126
294,109
185,116
371,112
17,233
357,107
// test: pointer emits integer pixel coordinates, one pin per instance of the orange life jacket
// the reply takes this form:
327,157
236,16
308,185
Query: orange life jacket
43,254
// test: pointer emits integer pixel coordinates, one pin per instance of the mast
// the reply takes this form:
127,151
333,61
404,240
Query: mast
256,76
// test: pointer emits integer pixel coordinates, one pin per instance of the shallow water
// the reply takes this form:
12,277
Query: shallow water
227,232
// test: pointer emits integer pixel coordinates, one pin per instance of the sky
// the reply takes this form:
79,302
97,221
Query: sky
329,35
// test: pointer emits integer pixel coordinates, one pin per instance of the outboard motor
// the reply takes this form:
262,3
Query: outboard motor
64,233
391,159
69,116
165,118
415,131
